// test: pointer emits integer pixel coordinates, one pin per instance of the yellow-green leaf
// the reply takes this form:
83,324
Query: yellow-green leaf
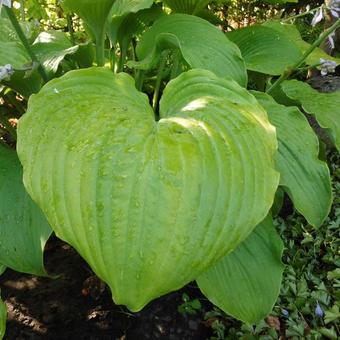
149,205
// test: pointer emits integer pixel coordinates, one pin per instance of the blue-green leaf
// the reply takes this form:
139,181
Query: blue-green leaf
324,106
246,282
23,228
202,45
265,50
304,177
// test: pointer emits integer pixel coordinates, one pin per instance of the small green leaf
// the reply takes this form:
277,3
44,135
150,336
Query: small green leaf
201,44
329,333
23,228
246,282
324,106
265,50
149,204
332,314
304,177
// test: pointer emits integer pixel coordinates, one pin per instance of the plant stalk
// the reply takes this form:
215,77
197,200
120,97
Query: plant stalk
301,14
100,49
316,44
25,42
22,10
162,65
70,28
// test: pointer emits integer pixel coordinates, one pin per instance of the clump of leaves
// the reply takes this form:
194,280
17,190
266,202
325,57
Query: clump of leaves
308,305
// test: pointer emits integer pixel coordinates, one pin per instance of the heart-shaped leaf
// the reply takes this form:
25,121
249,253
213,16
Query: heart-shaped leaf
324,106
201,44
265,50
148,204
305,178
246,283
23,228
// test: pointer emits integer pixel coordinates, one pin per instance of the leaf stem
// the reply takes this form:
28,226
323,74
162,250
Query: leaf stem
285,75
100,49
301,14
25,42
162,65
70,28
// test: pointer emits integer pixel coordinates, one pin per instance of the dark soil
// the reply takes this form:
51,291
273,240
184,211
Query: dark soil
74,304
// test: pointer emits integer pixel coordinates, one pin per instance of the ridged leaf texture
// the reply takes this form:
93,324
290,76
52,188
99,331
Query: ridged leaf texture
304,177
187,6
324,106
246,283
265,50
292,33
201,44
148,204
23,227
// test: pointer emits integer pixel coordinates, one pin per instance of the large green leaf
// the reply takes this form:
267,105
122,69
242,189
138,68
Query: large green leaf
148,204
3,318
23,228
122,7
265,50
305,178
51,48
201,44
292,33
94,13
246,283
187,6
324,106
13,53
7,33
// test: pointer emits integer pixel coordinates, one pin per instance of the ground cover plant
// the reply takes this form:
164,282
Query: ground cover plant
160,147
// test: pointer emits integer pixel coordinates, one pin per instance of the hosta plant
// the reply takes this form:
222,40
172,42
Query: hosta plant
152,157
